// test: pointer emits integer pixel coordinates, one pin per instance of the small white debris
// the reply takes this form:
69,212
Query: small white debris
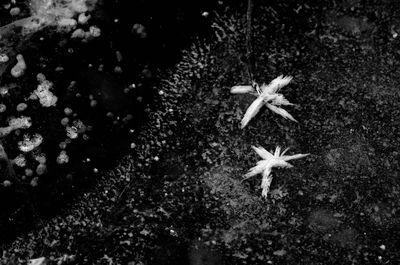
83,19
7,183
63,158
19,69
20,123
3,108
62,145
118,55
383,247
41,169
80,126
21,107
139,30
4,131
28,172
28,144
93,103
4,58
67,24
3,91
72,132
15,11
118,69
20,161
78,34
34,183
95,31
68,111
79,6
46,97
40,77
64,121
41,158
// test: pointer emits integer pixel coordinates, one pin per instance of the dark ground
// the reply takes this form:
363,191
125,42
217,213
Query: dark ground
178,197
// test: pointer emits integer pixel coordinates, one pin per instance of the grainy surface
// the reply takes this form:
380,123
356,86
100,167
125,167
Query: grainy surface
178,197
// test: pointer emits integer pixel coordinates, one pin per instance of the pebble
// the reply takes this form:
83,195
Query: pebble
83,19
15,11
64,121
3,108
21,107
93,103
7,183
78,34
34,181
95,31
72,132
41,169
139,30
62,158
3,91
117,69
62,145
118,55
68,111
67,23
40,77
41,159
19,69
28,172
20,161
4,58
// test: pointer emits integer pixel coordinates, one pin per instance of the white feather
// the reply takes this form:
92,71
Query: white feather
281,112
278,159
254,171
298,156
266,183
276,84
252,110
280,100
267,94
242,89
262,152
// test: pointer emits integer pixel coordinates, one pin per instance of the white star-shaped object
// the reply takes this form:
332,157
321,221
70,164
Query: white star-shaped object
266,94
264,167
